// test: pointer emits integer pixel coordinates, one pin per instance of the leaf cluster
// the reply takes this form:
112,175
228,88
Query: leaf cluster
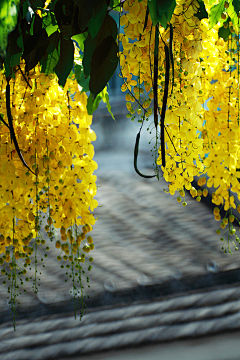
46,35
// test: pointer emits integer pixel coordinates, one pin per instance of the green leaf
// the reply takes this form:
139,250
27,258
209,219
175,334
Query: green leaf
232,14
108,28
65,62
8,21
161,11
80,38
80,77
67,15
202,13
14,51
164,5
103,65
236,5
35,45
50,29
24,6
105,98
92,104
34,49
99,13
49,22
152,5
224,32
215,13
163,20
168,14
85,12
48,18
52,54
116,4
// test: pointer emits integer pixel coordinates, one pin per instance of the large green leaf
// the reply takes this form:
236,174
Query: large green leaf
161,11
108,28
236,5
166,16
65,62
164,5
35,45
14,51
99,13
67,15
85,12
103,65
34,49
215,13
224,32
52,54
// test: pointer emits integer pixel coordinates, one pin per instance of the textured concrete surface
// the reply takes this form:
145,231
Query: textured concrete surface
220,347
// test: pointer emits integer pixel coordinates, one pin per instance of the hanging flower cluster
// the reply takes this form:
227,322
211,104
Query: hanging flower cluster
201,66
52,128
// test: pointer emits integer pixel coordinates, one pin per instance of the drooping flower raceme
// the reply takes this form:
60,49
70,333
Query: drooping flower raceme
198,142
53,131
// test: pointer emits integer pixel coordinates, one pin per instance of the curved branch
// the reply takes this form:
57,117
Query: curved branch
11,128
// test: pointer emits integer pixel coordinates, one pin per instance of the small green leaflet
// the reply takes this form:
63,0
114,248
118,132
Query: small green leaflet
92,104
116,4
232,14
80,38
49,22
80,77
105,98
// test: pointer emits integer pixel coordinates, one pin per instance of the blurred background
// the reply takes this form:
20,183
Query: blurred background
160,287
